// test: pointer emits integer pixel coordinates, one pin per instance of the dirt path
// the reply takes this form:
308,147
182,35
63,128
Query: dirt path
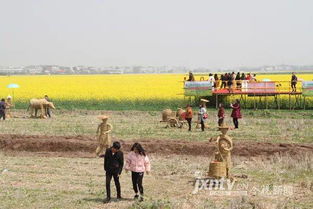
84,146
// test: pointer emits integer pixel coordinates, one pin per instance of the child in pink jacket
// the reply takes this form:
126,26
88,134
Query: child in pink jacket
137,162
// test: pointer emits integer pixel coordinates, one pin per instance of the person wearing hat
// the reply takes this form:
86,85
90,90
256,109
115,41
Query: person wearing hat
103,131
202,115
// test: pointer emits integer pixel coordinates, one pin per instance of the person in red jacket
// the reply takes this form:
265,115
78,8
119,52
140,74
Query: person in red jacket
221,114
236,114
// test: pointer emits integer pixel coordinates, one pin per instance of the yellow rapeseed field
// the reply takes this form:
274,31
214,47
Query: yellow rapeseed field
98,87
107,87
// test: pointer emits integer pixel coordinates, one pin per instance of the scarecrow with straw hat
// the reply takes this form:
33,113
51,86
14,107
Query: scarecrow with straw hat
103,131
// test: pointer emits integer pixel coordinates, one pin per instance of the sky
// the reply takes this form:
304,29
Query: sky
197,33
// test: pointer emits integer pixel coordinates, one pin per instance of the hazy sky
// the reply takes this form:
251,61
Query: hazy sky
209,33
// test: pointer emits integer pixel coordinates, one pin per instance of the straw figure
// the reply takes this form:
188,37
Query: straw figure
104,138
180,114
42,104
222,164
8,106
166,114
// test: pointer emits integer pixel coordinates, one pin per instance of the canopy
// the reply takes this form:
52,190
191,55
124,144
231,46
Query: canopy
13,86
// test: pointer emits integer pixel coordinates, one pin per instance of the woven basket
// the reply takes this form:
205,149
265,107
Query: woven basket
217,169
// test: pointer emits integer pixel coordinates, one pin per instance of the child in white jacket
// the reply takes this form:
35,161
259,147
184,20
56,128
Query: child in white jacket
137,162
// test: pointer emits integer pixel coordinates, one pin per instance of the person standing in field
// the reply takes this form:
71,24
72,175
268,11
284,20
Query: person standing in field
236,114
202,114
104,137
294,81
189,115
2,109
221,114
138,163
113,165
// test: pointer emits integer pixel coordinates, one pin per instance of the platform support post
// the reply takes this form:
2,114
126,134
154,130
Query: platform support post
216,101
289,101
254,102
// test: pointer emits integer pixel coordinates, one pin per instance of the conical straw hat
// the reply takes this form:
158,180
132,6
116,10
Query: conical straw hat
103,117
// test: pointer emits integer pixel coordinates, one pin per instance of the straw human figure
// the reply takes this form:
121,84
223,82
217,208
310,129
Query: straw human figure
103,135
224,145
166,115
9,105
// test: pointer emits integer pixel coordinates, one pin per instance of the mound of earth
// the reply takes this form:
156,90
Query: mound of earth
84,146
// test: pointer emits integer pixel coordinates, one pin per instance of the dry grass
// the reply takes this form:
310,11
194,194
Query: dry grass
39,182
33,182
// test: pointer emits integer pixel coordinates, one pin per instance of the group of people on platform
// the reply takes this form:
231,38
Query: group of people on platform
234,80
203,115
228,81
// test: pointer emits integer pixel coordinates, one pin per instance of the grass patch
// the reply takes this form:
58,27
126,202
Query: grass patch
255,126
153,104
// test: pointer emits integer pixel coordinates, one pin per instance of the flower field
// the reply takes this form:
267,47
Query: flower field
108,91
95,87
